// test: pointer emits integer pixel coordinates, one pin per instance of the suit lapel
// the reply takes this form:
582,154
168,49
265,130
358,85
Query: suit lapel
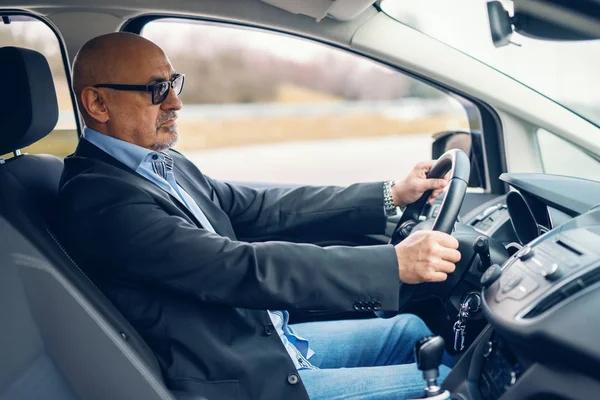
87,149
201,196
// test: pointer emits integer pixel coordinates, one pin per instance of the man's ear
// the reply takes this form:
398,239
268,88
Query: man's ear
92,100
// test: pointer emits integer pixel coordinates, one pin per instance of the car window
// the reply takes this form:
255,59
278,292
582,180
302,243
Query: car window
31,33
261,106
561,70
563,158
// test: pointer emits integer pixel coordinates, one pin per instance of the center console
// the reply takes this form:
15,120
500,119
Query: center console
500,368
543,310
540,276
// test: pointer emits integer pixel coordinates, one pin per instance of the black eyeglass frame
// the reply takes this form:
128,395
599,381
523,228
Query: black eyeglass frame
155,89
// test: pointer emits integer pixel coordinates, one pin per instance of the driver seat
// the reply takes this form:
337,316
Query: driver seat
60,337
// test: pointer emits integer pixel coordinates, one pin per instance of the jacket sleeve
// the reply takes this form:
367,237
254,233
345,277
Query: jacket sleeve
356,209
137,241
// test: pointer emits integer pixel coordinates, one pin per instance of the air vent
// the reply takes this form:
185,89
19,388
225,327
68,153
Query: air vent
565,292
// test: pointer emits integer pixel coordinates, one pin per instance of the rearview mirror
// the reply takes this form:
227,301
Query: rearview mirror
470,143
545,19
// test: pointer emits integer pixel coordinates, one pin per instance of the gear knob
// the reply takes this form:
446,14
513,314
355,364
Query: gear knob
428,353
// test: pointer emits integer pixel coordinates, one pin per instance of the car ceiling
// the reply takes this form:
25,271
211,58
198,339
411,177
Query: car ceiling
339,10
330,21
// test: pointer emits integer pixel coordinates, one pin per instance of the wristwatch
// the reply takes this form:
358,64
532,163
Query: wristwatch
388,200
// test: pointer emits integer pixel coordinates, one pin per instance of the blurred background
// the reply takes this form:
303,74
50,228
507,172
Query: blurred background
262,106
266,107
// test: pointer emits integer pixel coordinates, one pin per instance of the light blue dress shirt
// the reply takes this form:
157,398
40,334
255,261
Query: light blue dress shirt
140,160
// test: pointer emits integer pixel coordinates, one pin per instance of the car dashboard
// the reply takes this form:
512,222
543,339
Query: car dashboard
542,304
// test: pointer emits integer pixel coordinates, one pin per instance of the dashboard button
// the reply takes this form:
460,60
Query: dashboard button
552,273
526,253
509,282
526,287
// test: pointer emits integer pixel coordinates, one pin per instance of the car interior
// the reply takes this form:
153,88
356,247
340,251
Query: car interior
518,314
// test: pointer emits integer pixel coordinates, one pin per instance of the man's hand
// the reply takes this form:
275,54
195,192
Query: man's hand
411,188
427,256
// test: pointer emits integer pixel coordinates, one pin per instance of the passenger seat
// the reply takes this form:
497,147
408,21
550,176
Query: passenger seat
60,339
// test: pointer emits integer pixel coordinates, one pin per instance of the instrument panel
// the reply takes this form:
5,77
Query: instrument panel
521,217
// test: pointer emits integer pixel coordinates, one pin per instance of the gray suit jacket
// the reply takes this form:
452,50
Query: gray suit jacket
198,298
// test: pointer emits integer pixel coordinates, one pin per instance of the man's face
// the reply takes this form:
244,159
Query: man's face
132,116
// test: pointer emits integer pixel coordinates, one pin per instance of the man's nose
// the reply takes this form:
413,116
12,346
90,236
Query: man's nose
172,102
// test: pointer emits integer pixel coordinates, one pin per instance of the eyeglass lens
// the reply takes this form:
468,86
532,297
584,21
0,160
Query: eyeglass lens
161,90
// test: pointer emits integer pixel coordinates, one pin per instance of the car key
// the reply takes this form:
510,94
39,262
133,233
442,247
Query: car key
460,326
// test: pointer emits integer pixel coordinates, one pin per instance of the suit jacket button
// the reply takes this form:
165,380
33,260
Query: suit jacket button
293,379
357,306
377,305
269,329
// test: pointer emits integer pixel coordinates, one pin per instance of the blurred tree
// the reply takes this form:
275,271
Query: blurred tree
232,65
222,66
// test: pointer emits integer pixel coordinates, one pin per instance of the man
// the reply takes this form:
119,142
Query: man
160,239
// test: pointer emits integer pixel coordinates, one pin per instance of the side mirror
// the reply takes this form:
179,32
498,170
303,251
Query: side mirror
470,143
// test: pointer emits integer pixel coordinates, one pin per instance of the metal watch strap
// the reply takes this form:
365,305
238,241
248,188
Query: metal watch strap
388,200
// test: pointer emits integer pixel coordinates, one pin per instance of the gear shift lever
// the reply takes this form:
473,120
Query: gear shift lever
428,353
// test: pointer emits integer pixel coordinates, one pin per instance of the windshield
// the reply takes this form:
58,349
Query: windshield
566,72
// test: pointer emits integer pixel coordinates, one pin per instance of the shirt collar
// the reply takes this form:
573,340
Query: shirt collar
129,154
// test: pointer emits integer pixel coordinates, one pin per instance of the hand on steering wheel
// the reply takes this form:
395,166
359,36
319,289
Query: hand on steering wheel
427,256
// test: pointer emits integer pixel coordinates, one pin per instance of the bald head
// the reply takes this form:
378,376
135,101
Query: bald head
123,59
104,56
113,57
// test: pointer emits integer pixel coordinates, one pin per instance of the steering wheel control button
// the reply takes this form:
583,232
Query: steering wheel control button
293,379
490,275
509,282
406,228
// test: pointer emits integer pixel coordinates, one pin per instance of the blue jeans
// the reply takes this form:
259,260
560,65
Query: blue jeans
365,359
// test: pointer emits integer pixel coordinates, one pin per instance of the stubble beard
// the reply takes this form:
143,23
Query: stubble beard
167,142
171,136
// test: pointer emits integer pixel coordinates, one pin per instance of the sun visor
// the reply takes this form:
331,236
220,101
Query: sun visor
342,10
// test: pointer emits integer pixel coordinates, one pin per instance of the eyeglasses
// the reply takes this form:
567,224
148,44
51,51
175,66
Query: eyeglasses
160,90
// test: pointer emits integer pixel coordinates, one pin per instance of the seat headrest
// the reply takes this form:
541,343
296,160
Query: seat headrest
27,100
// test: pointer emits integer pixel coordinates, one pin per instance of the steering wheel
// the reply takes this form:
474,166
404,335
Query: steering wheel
457,162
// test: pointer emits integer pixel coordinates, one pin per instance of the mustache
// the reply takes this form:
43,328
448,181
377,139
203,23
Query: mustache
165,117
